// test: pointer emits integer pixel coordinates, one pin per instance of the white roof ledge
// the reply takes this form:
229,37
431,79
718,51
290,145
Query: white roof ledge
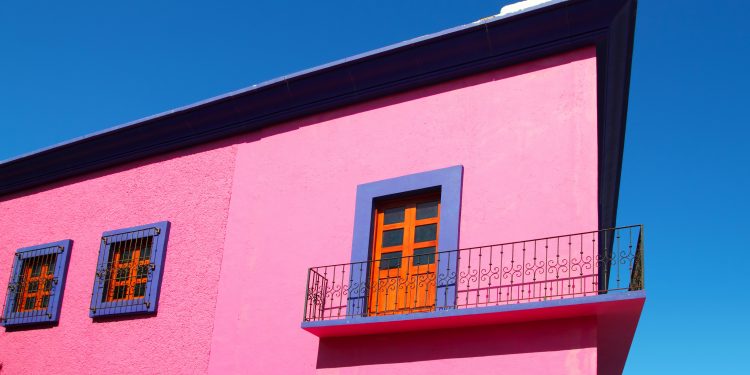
521,6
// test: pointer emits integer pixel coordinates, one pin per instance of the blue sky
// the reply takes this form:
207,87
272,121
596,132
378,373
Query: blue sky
67,70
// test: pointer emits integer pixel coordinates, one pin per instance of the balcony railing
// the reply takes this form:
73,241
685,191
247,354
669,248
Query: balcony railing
569,266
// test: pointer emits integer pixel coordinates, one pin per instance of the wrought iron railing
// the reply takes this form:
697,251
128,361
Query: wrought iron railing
569,266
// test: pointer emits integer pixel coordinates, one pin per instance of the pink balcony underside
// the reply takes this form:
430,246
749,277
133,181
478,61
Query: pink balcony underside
616,315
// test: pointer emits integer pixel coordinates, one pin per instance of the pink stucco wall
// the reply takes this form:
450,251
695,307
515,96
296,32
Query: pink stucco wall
192,190
542,347
233,286
527,138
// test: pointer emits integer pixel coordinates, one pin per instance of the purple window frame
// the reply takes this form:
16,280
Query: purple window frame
160,233
450,182
62,249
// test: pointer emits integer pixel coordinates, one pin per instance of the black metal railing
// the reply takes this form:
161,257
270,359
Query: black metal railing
569,266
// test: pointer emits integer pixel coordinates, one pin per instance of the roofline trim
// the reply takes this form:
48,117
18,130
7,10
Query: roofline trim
263,84
492,43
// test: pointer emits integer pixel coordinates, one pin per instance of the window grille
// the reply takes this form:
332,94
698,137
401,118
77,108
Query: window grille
36,284
129,270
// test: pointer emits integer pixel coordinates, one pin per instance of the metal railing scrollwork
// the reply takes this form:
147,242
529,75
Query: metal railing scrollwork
568,266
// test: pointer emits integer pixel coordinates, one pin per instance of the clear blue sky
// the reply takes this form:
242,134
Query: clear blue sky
67,70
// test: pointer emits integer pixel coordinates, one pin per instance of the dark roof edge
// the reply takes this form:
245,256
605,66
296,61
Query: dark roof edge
555,27
261,85
277,80
613,71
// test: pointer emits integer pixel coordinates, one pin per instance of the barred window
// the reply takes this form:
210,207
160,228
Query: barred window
127,274
36,284
36,271
129,270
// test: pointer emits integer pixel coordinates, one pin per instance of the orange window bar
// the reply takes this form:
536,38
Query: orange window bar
35,283
128,269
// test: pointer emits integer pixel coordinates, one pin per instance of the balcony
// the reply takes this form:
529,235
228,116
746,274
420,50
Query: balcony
598,273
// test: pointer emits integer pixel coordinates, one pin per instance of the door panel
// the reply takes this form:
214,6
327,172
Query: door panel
402,276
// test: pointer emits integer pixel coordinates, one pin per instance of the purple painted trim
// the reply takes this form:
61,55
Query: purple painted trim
609,297
160,232
62,248
450,181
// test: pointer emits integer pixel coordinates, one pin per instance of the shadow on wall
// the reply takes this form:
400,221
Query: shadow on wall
31,327
98,319
481,341
121,318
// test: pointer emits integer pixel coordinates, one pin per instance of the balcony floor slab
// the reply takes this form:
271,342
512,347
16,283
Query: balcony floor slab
598,305
617,317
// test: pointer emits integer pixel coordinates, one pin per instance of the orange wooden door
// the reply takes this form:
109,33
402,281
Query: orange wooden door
402,277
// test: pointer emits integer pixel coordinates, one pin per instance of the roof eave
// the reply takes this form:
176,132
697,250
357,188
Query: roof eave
470,49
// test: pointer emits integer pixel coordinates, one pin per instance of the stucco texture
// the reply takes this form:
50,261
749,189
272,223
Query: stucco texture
526,136
543,347
191,189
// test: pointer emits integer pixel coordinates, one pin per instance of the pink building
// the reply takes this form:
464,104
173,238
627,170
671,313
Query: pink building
444,205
